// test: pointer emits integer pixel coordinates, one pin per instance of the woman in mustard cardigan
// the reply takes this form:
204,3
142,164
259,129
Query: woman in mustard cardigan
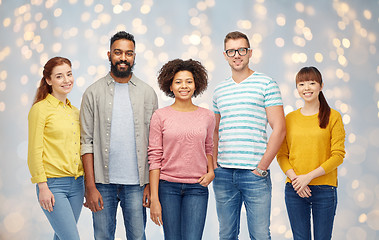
309,156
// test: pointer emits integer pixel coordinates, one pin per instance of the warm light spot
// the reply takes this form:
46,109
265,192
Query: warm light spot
279,42
201,6
299,7
367,14
336,42
159,41
281,20
300,23
346,119
344,108
318,57
145,9
339,73
362,218
352,138
355,184
99,8
346,42
6,22
126,6
57,12
342,60
2,106
195,21
117,9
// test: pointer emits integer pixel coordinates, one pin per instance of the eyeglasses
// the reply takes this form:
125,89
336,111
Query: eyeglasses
232,52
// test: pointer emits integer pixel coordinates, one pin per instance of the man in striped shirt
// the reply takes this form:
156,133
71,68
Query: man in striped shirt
244,104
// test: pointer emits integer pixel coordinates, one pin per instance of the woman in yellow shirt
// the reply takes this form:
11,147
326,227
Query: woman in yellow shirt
54,150
309,156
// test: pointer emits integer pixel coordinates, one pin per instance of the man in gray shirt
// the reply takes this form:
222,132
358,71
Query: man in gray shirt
115,117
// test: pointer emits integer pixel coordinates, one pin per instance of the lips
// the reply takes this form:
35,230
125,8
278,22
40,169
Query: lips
308,94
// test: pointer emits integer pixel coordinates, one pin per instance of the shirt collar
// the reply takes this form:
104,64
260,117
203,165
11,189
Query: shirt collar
55,102
111,80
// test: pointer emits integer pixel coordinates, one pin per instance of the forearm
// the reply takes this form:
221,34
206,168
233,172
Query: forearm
291,174
210,163
154,183
273,146
89,174
316,173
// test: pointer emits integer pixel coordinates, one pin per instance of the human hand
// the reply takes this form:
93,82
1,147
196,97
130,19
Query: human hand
206,179
94,200
46,197
305,193
146,196
300,182
156,212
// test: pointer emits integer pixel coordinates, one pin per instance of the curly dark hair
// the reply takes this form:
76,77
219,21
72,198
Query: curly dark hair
167,72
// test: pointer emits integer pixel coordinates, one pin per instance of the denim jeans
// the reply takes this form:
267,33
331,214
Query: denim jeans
184,208
232,187
130,198
322,204
69,195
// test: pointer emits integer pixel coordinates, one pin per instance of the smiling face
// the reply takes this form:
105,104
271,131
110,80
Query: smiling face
61,81
183,86
238,62
121,57
309,90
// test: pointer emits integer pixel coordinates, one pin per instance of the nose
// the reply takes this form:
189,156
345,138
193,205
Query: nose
123,56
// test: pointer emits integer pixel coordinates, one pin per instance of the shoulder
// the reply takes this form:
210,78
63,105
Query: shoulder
38,109
206,112
292,114
223,84
161,112
97,85
335,116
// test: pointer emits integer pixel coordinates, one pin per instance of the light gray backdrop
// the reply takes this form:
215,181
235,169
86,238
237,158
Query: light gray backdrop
339,37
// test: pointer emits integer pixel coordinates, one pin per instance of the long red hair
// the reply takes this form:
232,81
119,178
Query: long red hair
313,74
44,89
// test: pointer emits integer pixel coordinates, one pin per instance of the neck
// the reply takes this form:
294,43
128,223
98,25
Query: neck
121,80
310,108
184,106
239,76
61,98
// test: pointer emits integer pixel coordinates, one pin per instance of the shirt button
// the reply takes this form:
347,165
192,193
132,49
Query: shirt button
106,150
110,103
106,166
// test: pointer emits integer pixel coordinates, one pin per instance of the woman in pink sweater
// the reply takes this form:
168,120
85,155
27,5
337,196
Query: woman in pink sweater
180,153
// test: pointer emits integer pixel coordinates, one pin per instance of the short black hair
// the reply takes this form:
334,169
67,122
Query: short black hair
167,72
122,35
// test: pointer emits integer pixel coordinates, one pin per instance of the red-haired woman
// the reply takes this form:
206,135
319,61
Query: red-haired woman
54,150
309,156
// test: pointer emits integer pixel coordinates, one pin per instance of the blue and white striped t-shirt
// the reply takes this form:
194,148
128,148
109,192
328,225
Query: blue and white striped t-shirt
242,132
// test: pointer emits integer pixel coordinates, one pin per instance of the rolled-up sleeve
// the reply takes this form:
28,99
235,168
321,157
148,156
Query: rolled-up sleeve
37,121
86,124
155,150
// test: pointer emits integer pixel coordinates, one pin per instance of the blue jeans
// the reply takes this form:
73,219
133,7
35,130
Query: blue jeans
322,204
130,198
69,195
232,187
184,208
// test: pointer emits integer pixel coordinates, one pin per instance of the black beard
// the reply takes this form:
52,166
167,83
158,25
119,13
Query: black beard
121,74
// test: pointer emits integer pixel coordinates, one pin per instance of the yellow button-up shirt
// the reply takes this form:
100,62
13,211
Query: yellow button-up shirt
54,140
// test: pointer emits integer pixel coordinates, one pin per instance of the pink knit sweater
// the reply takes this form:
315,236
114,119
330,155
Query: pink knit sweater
179,143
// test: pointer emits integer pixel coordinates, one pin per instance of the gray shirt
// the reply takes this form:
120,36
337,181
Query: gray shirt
96,118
